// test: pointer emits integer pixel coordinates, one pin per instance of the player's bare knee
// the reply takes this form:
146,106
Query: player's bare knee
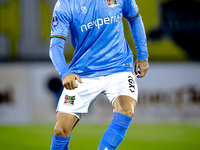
126,111
62,132
67,131
129,113
58,132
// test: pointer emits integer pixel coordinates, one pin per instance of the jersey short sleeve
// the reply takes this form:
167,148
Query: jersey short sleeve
61,19
130,9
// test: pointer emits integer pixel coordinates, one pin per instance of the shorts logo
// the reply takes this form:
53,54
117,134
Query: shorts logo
55,21
112,3
69,100
131,84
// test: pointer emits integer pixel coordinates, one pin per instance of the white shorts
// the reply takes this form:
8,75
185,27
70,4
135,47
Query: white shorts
79,100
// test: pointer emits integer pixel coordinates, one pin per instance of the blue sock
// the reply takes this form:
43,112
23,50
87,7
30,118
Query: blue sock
115,133
60,143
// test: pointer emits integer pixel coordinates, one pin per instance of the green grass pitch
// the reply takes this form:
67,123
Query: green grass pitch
87,137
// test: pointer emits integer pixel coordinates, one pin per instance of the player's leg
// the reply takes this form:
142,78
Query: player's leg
124,111
64,124
123,96
73,104
125,105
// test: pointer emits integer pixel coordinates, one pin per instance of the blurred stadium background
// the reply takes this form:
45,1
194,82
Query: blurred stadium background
168,113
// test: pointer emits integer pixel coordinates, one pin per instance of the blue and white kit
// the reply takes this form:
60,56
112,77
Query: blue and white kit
102,59
97,36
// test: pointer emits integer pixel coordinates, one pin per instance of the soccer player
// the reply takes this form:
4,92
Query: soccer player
102,63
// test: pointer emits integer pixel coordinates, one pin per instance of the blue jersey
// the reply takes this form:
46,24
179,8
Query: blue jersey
97,35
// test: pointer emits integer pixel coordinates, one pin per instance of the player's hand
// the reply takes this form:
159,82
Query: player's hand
141,67
69,82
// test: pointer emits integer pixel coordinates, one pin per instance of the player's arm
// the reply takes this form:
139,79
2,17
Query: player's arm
58,59
138,33
131,12
59,30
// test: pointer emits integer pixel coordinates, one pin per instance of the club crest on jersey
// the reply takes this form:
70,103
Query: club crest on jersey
69,100
112,3
55,21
